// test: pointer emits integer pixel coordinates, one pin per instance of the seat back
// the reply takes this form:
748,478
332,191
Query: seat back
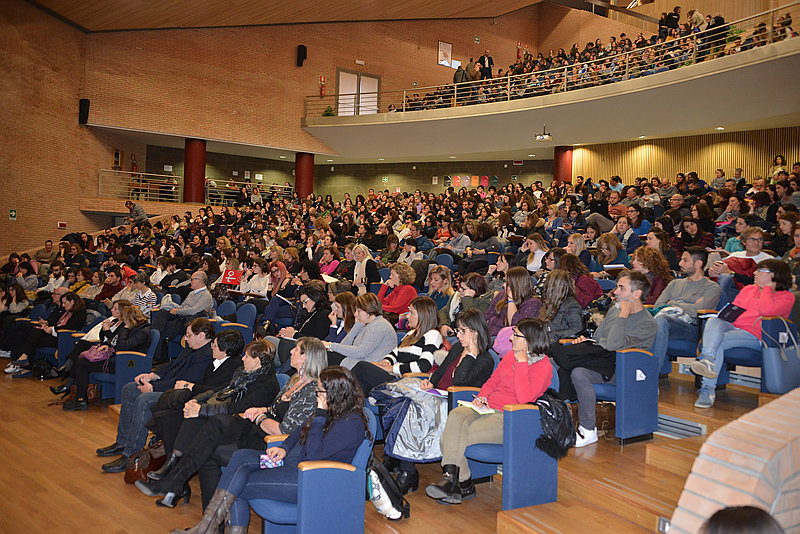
606,284
246,331
491,257
446,260
246,315
227,307
385,273
37,312
282,379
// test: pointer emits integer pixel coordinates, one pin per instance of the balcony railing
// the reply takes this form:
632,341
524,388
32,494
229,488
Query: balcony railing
731,38
221,193
140,186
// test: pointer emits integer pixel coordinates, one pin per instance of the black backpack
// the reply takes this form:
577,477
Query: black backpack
558,427
384,492
44,370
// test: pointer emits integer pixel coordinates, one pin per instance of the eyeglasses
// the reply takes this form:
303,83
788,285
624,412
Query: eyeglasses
763,270
756,239
320,391
304,301
517,334
462,331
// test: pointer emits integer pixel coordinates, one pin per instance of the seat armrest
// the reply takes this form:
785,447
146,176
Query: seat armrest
234,324
325,464
416,375
457,393
275,440
131,353
519,407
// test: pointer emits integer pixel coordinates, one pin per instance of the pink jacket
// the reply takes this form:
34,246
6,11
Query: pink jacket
514,382
759,302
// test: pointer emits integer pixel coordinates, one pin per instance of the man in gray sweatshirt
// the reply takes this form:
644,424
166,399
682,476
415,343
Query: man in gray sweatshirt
627,325
681,299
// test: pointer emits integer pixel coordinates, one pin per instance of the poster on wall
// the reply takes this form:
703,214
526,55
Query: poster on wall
246,175
475,181
485,181
445,53
447,181
493,181
435,180
456,181
259,176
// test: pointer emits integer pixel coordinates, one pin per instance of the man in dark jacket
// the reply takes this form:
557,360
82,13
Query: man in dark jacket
141,394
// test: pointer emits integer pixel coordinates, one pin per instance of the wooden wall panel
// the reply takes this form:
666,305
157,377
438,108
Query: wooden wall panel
752,151
730,10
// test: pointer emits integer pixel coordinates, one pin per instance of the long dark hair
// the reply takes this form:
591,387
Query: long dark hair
344,396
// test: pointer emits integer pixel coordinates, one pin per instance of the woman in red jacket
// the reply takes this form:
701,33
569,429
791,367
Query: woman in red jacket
401,285
523,375
770,295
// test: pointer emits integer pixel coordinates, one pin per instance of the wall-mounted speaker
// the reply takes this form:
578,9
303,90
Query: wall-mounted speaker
302,54
83,111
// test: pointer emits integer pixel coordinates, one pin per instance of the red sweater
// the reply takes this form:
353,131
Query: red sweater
398,300
514,382
759,302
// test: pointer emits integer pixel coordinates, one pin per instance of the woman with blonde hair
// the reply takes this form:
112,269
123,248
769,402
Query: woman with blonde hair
577,246
440,285
365,270
651,263
610,252
536,247
514,303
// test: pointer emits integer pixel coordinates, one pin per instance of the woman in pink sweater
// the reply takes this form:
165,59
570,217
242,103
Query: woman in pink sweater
523,375
770,294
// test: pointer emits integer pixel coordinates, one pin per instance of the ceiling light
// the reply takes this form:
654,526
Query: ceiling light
531,155
283,157
452,157
720,128
380,159
576,144
329,160
642,136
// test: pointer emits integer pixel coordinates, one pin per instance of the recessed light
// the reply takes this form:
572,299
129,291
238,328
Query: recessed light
283,157
452,157
576,144
380,159
329,160
531,155
642,136
720,128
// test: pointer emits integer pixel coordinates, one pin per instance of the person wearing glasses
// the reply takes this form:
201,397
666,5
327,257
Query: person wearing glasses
769,294
172,323
333,432
468,363
737,270
523,375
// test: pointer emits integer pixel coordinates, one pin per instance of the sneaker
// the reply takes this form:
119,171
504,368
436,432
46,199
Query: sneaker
703,368
12,369
585,437
706,398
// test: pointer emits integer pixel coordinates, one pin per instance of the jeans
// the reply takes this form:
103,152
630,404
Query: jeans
582,379
245,479
670,327
729,290
134,413
720,336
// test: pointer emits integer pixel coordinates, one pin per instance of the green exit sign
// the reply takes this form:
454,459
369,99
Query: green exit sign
12,215
385,179
477,39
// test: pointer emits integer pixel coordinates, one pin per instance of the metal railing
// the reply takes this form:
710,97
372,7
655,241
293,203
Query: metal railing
140,186
727,39
221,193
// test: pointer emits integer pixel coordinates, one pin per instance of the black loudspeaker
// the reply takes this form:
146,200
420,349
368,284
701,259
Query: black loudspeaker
302,54
83,111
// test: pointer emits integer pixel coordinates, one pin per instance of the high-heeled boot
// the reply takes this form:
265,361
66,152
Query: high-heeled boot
214,514
166,468
174,483
448,487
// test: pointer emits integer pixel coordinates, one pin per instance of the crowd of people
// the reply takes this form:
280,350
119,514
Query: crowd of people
694,39
353,294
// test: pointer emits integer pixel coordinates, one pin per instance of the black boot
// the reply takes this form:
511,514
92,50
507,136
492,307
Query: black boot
448,487
76,405
467,490
166,468
174,483
408,481
171,498
59,390
391,464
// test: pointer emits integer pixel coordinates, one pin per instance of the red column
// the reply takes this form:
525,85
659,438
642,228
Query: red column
194,173
304,173
562,164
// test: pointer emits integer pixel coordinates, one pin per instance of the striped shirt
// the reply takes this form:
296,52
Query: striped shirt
416,358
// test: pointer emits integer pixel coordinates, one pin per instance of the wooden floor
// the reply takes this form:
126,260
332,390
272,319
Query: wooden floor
50,478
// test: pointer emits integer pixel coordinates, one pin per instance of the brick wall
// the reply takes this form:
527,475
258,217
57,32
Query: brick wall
754,461
47,160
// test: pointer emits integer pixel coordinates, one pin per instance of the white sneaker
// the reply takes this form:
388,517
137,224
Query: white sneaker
5,353
585,437
703,368
12,369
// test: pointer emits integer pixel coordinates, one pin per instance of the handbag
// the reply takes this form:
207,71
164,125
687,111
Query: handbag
781,366
151,458
97,353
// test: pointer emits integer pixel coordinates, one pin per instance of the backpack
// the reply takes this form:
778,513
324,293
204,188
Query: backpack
558,428
44,370
384,492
